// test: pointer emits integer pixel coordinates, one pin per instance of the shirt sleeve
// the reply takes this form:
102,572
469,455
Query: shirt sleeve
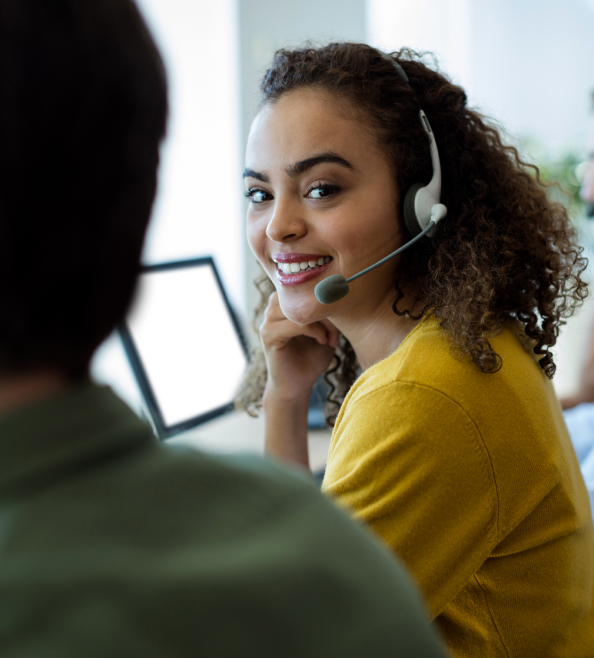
411,464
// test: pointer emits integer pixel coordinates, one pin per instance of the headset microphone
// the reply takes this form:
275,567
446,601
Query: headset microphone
422,211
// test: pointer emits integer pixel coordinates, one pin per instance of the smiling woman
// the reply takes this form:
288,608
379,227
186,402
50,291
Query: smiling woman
450,444
338,201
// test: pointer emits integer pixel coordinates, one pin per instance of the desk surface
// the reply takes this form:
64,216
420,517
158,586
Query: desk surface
238,432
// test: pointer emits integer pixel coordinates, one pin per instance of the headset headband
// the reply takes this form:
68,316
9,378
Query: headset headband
397,66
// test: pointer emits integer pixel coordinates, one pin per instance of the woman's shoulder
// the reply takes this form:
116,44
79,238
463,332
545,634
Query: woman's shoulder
427,389
514,410
510,422
427,359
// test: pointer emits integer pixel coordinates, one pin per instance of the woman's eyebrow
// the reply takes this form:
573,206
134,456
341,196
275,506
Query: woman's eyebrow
250,173
298,168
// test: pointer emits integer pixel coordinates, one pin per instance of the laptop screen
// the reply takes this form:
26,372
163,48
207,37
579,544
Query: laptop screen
184,344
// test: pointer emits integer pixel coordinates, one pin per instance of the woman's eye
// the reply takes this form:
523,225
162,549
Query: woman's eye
322,191
257,196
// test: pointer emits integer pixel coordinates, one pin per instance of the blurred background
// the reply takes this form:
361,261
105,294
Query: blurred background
529,64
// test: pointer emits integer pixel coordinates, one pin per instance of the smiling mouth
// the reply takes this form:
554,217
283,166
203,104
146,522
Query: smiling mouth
303,266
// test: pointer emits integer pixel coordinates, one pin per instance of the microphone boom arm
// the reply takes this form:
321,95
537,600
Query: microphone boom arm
394,253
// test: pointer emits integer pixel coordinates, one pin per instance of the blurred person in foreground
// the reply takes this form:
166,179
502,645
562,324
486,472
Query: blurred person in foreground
112,544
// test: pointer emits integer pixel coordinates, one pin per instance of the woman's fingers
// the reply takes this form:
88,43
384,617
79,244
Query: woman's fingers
296,354
333,333
278,330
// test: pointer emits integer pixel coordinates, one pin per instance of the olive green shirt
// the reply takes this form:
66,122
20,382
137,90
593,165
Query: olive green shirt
112,544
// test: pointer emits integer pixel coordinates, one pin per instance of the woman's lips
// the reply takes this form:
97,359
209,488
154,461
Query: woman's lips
303,276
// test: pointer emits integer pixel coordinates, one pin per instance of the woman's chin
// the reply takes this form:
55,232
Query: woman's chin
304,312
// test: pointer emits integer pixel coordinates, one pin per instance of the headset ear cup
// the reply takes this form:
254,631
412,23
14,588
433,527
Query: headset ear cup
410,216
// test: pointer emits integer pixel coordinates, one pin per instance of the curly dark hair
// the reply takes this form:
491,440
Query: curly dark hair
505,251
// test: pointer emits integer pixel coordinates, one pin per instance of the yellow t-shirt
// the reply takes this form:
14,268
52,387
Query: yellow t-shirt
471,478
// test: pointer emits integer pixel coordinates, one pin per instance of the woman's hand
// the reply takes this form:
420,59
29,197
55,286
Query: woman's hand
296,354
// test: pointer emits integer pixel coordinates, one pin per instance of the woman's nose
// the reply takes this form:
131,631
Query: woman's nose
286,224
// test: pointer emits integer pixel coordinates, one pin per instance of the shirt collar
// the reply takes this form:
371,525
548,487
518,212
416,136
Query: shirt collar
45,441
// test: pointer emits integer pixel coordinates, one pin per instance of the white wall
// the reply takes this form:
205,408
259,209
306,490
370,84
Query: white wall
528,63
533,64
199,205
438,26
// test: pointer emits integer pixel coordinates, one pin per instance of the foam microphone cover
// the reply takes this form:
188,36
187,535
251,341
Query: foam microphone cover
332,289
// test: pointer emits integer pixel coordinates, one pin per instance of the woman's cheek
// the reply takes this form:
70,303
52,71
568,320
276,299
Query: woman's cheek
256,237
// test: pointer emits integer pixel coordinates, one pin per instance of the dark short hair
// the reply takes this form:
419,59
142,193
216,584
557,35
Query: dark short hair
83,107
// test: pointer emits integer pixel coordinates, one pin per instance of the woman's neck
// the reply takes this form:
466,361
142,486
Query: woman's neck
375,333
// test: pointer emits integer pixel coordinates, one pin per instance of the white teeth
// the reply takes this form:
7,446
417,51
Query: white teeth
293,268
274,260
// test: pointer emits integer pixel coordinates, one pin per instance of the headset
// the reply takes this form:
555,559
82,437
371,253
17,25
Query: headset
422,211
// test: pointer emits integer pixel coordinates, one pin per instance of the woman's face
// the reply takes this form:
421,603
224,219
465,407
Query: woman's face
322,201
